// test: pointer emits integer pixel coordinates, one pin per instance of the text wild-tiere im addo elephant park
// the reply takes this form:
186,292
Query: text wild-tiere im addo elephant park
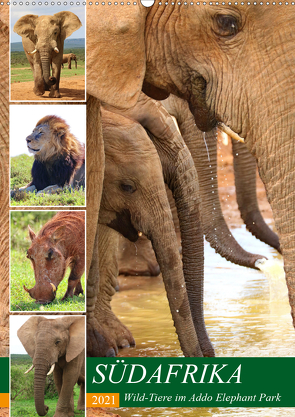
147,196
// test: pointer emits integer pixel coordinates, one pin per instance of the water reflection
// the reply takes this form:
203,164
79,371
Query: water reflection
241,317
205,412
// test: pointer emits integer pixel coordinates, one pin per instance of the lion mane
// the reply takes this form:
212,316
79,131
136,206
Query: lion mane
62,158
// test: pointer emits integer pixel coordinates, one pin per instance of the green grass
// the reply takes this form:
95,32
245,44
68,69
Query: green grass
21,271
22,389
20,75
65,197
20,175
21,408
20,167
19,59
21,71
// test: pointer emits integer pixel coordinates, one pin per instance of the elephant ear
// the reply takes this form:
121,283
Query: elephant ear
69,23
25,27
26,334
77,339
116,53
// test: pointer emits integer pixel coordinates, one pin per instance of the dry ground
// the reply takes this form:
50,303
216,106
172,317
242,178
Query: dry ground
72,88
101,412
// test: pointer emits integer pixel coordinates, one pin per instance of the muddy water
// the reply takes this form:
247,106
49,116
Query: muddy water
246,313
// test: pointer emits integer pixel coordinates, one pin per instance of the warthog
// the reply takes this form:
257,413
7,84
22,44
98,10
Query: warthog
59,244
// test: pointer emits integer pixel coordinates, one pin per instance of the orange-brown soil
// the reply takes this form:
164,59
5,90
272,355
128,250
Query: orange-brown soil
101,412
72,89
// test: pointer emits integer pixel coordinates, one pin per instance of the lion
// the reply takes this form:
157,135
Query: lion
59,157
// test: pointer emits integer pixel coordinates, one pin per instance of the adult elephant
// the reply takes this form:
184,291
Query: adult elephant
233,64
151,115
43,42
134,200
67,58
204,151
56,345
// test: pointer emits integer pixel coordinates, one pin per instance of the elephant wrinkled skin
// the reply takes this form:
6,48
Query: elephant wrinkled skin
232,63
59,342
134,200
43,41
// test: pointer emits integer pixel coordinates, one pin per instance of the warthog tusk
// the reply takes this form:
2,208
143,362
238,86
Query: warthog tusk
25,288
53,287
56,50
32,53
139,233
230,132
51,369
29,370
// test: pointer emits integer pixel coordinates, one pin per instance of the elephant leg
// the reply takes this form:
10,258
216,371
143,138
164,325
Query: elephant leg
69,63
81,401
108,333
54,90
65,403
57,376
39,84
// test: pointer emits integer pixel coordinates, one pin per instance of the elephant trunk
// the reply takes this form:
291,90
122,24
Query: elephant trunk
41,369
168,257
245,182
45,56
181,177
204,152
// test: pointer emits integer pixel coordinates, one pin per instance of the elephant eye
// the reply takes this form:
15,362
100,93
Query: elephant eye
57,342
128,188
49,255
226,25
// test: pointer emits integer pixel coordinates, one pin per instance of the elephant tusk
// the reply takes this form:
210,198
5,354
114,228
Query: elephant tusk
53,287
32,53
51,369
29,370
56,50
230,132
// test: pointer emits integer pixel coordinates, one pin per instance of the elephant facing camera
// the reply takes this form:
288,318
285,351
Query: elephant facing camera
43,42
56,346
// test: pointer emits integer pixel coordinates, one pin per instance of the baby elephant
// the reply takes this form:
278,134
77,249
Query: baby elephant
56,345
59,244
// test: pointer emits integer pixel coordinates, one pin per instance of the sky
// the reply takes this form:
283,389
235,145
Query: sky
18,11
23,119
15,323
